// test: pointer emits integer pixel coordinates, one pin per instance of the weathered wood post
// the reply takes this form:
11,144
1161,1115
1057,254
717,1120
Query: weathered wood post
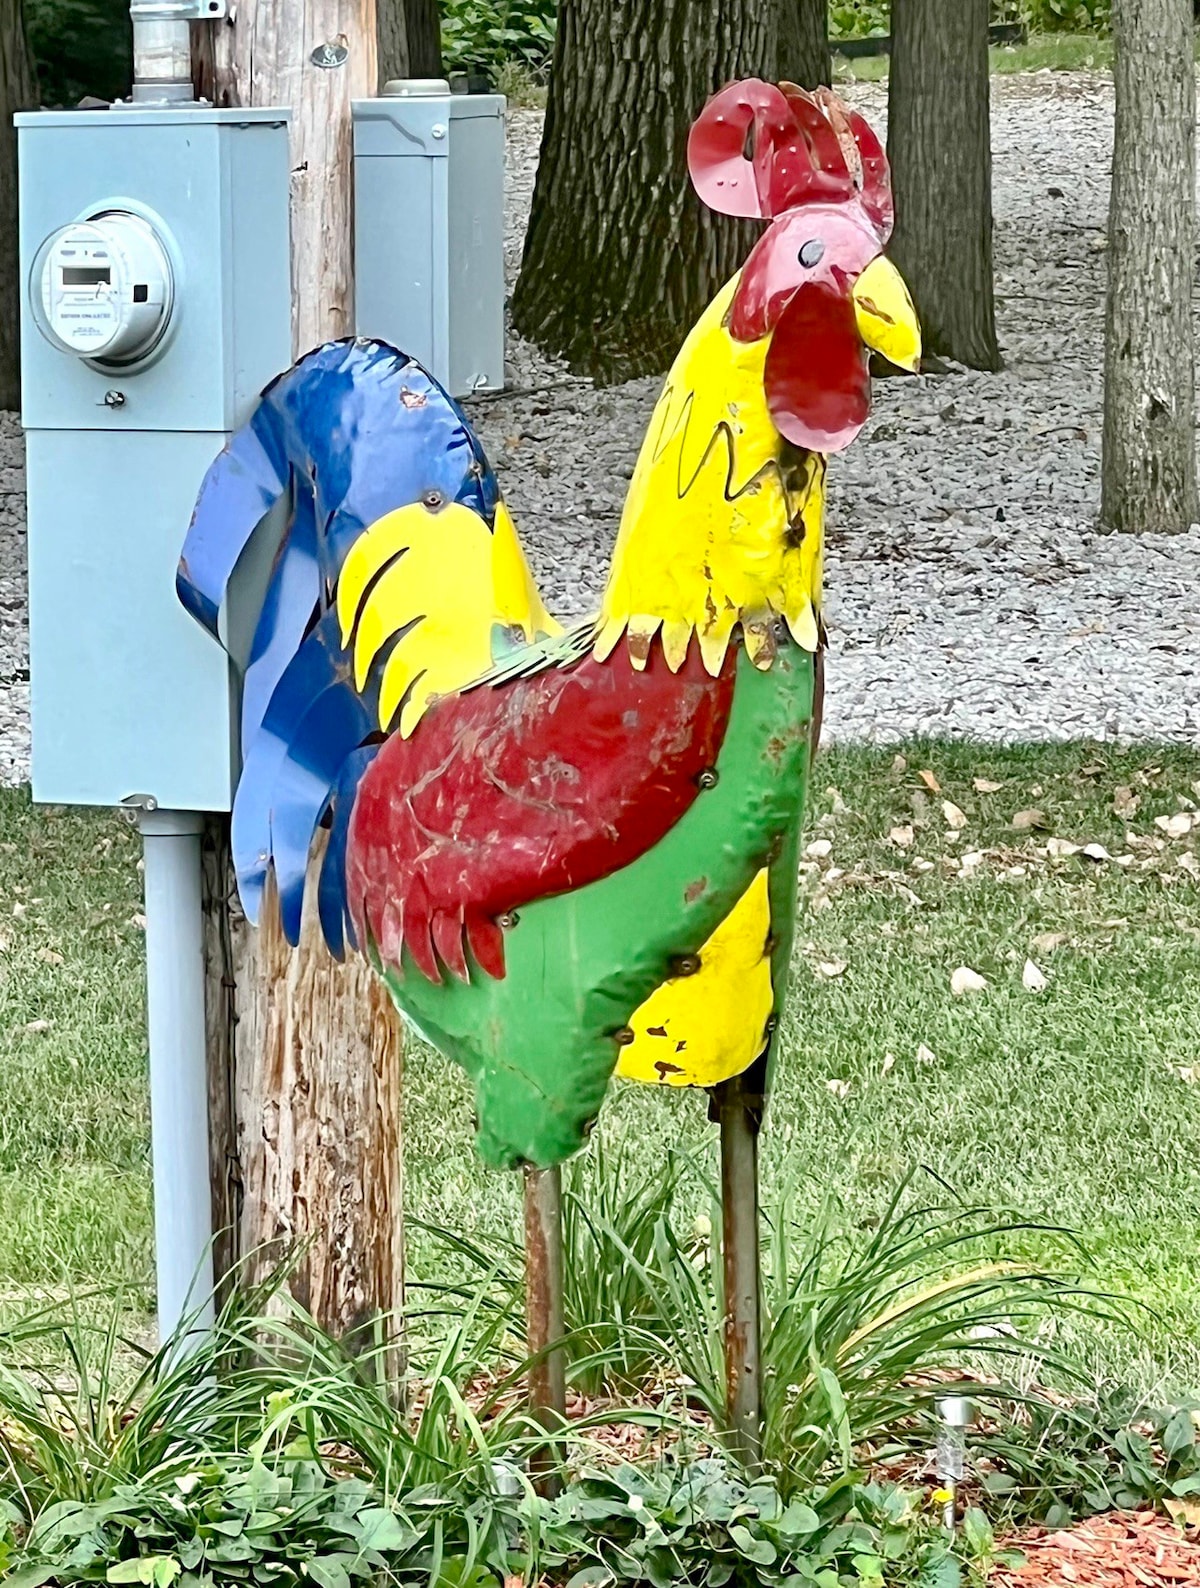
306,1056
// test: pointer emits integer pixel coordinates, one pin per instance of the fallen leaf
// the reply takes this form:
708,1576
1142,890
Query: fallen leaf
889,1063
139,921
966,980
1026,821
840,1089
1125,801
902,837
1188,862
1095,852
926,1055
984,785
830,968
956,819
1032,979
819,849
1184,1513
19,910
35,1028
921,865
1061,848
1188,1073
899,764
836,803
930,782
974,858
1047,942
49,956
1177,826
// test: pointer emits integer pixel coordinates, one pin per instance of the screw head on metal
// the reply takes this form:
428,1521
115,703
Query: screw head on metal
624,1036
114,398
709,778
433,499
685,965
438,130
508,920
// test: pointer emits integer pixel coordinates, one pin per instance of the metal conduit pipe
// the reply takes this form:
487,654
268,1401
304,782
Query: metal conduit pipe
178,1066
162,50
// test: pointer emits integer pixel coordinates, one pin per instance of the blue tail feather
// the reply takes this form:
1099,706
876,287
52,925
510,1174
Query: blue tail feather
353,431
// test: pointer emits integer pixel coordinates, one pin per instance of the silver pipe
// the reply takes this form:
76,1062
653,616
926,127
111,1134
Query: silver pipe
162,51
178,1066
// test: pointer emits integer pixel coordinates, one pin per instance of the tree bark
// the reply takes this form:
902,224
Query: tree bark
1149,470
18,91
410,39
304,1053
804,55
620,257
939,145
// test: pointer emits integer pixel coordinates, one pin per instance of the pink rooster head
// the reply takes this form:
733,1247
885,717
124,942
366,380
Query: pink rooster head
817,281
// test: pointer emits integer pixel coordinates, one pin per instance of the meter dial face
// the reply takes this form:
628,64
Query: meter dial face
103,288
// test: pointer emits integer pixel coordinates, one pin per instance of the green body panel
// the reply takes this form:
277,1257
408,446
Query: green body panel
540,1044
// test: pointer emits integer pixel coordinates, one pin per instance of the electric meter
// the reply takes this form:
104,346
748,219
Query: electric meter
102,288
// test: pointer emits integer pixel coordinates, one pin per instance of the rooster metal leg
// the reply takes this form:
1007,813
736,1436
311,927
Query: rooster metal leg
544,1307
738,1112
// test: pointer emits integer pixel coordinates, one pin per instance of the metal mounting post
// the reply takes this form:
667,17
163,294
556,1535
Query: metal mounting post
544,1310
178,1066
737,1112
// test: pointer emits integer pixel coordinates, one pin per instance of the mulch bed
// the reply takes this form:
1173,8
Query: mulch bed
1126,1550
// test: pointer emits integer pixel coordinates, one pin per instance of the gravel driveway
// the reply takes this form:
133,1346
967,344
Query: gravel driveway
967,591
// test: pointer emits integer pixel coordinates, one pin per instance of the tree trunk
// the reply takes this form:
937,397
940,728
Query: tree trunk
18,91
804,56
1149,472
939,145
620,256
410,39
304,1053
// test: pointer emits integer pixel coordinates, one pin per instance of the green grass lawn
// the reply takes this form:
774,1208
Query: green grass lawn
1055,52
1078,1104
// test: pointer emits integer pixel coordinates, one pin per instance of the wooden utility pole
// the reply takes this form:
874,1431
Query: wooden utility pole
305,1053
1149,470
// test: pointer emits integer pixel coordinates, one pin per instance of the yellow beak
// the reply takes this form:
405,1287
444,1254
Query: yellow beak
887,321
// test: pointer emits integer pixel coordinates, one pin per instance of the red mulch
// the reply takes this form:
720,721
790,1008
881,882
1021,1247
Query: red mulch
1126,1550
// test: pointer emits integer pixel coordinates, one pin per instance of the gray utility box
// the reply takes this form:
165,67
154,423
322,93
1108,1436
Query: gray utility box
429,229
155,306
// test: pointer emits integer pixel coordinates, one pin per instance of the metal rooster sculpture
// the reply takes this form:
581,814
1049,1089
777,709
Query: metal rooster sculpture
571,853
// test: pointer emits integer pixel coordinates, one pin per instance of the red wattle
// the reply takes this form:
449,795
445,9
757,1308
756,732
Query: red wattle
816,378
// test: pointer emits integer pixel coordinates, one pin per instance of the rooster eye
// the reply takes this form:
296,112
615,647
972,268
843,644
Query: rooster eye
811,253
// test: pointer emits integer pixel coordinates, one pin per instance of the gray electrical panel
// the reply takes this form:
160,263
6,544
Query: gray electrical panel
155,307
429,229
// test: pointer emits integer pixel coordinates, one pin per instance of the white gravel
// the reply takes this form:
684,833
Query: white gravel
967,591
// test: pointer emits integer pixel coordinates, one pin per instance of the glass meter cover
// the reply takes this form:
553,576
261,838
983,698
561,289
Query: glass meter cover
103,289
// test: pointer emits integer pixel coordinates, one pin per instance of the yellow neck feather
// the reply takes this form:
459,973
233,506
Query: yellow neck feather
722,524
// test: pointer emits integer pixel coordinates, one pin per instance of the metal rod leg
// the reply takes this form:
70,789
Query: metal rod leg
178,1066
740,1255
544,1308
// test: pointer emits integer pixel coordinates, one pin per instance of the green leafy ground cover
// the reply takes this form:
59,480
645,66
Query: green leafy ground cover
1075,1105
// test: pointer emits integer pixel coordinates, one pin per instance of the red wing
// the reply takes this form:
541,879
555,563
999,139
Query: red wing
508,794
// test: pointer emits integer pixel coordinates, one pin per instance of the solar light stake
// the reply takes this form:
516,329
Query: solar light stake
957,1415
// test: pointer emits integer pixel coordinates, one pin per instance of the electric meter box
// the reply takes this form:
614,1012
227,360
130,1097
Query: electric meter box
429,229
156,305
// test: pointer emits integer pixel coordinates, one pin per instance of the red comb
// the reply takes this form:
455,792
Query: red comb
757,150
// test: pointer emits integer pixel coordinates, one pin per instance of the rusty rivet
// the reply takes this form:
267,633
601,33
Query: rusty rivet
508,920
433,500
685,965
709,778
624,1036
